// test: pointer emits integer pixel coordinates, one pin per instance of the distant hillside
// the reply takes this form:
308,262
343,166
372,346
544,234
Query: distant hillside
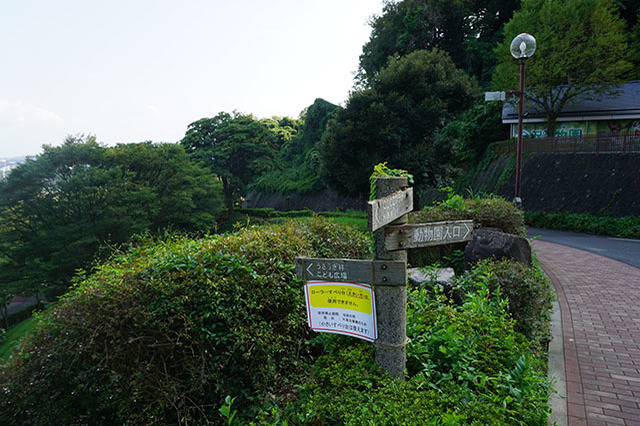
8,163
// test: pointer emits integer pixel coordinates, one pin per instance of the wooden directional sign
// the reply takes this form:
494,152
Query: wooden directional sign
385,210
417,235
376,272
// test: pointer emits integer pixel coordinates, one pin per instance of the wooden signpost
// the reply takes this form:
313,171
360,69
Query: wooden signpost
387,274
375,272
427,234
385,210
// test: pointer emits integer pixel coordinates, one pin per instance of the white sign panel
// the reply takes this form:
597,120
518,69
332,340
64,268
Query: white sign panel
341,308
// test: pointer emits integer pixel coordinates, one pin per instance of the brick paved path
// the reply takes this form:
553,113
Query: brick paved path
600,304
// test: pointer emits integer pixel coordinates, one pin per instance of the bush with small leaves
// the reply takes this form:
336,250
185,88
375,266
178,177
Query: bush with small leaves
163,332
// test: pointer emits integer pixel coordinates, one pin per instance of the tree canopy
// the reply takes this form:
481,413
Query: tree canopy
466,29
582,51
235,147
59,209
395,120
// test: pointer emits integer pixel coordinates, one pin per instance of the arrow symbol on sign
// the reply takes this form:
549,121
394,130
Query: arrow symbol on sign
468,230
308,270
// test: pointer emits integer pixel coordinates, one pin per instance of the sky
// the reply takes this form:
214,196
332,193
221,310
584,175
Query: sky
140,70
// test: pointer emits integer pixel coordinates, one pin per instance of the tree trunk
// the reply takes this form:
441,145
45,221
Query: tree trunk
552,125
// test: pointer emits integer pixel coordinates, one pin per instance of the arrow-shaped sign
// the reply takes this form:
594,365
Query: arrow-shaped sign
418,235
385,210
375,272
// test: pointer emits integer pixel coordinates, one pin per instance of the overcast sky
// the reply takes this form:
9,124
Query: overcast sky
136,70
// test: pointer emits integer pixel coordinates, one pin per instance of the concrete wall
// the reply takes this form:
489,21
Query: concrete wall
595,183
321,201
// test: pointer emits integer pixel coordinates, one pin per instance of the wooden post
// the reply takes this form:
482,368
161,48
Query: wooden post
391,300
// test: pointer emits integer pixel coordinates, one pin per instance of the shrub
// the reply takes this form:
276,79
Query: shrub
627,227
163,332
467,366
491,212
527,290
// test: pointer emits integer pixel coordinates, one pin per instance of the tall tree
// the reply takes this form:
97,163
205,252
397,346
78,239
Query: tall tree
395,120
236,147
466,29
58,209
581,52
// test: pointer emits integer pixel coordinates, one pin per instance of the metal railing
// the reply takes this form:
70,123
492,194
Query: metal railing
620,143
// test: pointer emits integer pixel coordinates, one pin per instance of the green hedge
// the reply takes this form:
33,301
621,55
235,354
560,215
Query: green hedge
493,212
626,227
163,332
467,365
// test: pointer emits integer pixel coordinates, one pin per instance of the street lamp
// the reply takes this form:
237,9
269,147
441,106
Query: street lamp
522,47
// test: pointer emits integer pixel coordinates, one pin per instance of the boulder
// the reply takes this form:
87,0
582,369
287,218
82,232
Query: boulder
418,276
490,242
442,277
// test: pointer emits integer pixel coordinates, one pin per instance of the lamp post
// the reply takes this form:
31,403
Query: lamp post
522,47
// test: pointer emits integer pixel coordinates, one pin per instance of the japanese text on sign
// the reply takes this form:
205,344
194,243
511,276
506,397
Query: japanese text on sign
342,308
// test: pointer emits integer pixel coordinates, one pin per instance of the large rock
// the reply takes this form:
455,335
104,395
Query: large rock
490,242
419,276
441,277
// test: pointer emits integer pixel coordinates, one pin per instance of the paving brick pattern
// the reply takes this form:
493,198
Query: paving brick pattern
600,304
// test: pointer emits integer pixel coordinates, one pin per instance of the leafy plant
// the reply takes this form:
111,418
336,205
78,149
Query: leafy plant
166,327
381,170
226,411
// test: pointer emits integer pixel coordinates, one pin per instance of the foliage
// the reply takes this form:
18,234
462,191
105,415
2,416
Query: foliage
466,30
634,49
472,133
236,147
527,290
396,120
13,336
298,160
626,227
493,212
586,62
163,332
59,208
467,366
380,171
486,212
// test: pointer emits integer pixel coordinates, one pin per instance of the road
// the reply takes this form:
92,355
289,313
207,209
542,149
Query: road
622,249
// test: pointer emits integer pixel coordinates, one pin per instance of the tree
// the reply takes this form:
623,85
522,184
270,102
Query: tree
236,147
59,209
581,53
297,164
466,29
634,50
396,120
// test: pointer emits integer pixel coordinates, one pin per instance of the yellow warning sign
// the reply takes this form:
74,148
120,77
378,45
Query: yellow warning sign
342,308
341,296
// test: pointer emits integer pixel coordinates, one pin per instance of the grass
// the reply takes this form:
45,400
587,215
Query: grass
245,217
14,336
358,222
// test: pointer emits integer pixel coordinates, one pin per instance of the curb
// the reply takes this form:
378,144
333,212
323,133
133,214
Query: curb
557,375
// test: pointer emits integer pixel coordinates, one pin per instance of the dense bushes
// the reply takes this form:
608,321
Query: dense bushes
628,227
163,332
527,290
466,365
485,212
494,212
